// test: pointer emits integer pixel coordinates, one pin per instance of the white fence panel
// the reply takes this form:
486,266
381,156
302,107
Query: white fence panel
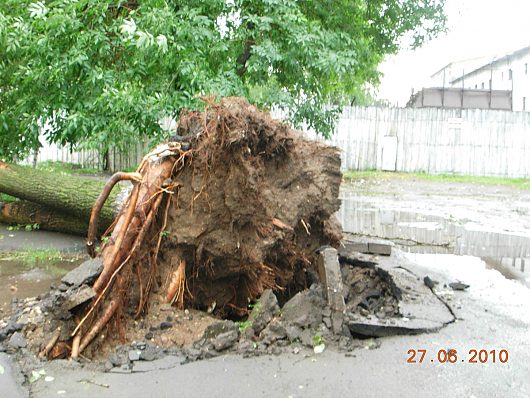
467,142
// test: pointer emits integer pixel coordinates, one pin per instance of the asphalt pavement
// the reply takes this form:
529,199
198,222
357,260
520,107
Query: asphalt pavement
492,315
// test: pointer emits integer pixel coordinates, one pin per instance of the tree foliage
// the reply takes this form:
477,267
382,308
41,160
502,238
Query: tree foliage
104,72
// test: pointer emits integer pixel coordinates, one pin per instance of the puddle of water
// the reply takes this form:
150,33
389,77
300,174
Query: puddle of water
507,252
19,280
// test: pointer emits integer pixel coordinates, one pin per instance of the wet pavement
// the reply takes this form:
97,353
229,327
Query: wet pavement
23,240
11,379
20,280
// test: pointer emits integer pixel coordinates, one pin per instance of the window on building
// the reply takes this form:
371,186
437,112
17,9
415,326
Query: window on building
482,86
524,103
510,75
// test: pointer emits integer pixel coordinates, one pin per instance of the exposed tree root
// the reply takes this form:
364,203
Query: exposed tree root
75,346
177,286
102,321
49,347
94,215
219,223
110,262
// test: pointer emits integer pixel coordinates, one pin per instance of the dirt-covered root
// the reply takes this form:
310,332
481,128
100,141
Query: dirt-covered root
237,204
129,254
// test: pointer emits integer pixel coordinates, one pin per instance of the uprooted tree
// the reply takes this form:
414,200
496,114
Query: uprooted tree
237,205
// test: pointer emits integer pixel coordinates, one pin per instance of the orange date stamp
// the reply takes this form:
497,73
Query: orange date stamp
454,356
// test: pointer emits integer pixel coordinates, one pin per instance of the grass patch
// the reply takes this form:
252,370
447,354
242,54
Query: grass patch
519,183
6,198
244,325
51,261
65,168
38,257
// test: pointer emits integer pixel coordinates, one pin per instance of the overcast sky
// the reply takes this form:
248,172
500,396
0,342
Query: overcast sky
476,28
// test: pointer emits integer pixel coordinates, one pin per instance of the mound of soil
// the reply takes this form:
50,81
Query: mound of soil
254,203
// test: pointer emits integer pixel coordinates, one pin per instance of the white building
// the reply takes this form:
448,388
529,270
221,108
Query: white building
507,72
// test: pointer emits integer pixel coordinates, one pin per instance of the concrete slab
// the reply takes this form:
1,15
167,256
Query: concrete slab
369,245
331,278
420,310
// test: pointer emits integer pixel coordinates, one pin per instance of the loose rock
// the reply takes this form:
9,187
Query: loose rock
77,297
264,310
134,355
86,273
225,340
304,309
293,332
273,332
459,286
221,334
17,341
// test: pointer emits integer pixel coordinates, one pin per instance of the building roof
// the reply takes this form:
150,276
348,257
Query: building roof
496,61
459,62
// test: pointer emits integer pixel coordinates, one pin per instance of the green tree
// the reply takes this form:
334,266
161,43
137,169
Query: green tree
103,72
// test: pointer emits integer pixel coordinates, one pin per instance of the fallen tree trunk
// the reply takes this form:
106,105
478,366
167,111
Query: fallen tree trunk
22,212
61,193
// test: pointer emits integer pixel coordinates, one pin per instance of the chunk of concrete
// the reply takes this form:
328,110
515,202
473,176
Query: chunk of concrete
78,297
87,273
225,340
273,332
361,247
134,355
304,309
264,310
220,334
381,248
17,340
331,278
219,327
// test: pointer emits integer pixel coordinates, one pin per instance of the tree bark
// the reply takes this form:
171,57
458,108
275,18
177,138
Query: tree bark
23,213
64,194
